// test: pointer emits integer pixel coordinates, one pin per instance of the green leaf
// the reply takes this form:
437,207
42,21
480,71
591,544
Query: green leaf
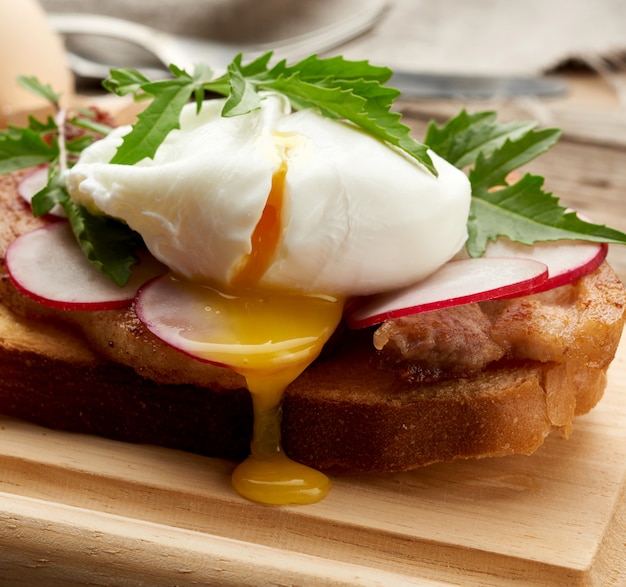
22,148
523,212
109,245
161,116
243,96
491,171
338,88
42,127
201,74
373,116
53,193
461,139
316,70
122,82
33,85
154,123
78,144
87,123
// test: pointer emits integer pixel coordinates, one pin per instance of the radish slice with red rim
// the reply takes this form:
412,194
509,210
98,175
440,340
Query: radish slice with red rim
457,282
251,332
567,261
33,182
48,266
179,314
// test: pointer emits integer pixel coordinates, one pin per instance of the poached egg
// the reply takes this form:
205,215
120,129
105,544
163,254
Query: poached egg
271,220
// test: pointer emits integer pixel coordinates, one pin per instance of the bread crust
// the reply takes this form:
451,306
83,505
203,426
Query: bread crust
104,373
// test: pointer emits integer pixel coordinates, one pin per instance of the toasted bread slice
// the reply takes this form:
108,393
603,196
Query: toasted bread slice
103,373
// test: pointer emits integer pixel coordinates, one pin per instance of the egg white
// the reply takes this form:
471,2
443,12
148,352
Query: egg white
359,216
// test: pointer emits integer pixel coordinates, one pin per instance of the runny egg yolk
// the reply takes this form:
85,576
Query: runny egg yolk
266,234
269,338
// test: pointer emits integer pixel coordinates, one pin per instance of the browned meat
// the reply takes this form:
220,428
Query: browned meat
574,322
438,345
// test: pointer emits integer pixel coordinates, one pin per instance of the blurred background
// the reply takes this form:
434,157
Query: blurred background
475,36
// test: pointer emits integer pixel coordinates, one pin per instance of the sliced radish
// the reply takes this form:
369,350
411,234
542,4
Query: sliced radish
34,182
567,261
457,282
250,331
48,266
180,314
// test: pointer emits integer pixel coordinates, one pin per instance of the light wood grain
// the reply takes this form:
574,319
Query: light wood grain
76,509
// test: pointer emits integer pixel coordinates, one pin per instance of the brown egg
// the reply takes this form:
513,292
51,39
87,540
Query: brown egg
28,46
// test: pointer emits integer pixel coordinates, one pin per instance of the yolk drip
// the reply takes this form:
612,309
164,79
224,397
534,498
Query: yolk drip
269,338
268,475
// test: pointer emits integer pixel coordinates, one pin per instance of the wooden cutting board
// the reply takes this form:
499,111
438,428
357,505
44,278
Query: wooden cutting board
78,510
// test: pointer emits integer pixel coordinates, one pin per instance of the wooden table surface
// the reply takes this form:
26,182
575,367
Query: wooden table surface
80,511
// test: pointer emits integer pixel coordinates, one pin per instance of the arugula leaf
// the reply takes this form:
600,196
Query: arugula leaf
107,243
461,139
88,123
314,70
243,96
110,245
25,147
350,90
154,124
162,114
372,116
491,171
43,127
523,211
52,194
125,81
33,85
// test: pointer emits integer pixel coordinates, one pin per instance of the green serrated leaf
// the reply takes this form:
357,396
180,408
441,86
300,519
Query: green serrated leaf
109,245
155,122
315,70
124,81
78,144
51,195
524,213
22,148
42,126
491,170
254,70
89,124
371,116
201,74
243,96
33,85
463,138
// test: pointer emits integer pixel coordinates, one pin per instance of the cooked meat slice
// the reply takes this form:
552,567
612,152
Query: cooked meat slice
572,322
437,345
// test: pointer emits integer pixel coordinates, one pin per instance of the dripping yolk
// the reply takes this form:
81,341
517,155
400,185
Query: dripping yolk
270,338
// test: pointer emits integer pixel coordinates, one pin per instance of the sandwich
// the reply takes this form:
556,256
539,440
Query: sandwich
282,275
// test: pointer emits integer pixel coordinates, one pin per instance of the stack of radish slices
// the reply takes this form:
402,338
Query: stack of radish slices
48,266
